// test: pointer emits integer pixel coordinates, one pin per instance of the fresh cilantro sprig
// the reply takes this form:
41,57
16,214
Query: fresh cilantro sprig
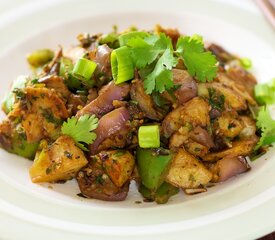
158,50
155,56
199,63
80,129
267,126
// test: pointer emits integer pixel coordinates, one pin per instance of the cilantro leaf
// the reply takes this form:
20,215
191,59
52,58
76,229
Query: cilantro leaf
267,126
161,78
157,51
80,130
201,64
144,51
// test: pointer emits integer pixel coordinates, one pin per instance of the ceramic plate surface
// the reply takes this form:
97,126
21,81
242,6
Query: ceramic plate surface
237,209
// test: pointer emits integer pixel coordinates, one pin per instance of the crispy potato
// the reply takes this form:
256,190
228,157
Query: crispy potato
232,98
119,165
249,128
44,114
187,172
228,124
238,87
57,162
194,112
56,83
196,148
241,147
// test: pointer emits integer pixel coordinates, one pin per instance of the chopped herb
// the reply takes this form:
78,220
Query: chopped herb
267,126
99,179
216,100
119,153
81,129
48,115
200,63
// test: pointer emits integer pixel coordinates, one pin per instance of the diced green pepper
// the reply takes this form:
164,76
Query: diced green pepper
21,147
9,99
162,195
153,165
65,71
40,57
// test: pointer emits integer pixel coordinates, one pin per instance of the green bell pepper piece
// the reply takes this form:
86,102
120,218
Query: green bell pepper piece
40,57
162,195
9,99
153,165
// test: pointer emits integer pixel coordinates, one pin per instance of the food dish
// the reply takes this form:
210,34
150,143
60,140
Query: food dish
155,107
224,210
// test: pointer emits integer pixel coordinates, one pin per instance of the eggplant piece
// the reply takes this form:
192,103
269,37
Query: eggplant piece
229,167
94,182
104,102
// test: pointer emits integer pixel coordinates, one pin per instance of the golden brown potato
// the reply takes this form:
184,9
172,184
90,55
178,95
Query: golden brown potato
187,172
44,114
196,148
241,147
249,128
57,162
56,83
228,124
238,87
119,165
232,98
194,112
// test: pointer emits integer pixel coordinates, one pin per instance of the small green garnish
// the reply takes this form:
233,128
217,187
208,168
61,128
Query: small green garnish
265,92
200,63
246,63
80,130
267,126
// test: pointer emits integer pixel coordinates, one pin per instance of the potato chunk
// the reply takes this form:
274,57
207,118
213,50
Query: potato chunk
241,147
228,124
194,112
119,165
187,172
57,162
44,115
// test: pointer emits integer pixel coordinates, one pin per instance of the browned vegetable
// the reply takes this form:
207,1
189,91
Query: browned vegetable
119,165
57,162
228,167
187,172
242,147
94,182
104,102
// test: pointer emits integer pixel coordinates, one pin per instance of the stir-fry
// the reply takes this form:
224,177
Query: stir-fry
160,108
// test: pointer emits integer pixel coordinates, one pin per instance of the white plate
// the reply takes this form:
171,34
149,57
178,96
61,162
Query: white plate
236,209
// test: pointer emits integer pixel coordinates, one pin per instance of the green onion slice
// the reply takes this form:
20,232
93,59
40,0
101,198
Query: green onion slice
84,69
149,137
264,94
122,65
124,38
246,63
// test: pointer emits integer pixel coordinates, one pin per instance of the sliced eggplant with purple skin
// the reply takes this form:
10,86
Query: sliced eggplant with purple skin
94,182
